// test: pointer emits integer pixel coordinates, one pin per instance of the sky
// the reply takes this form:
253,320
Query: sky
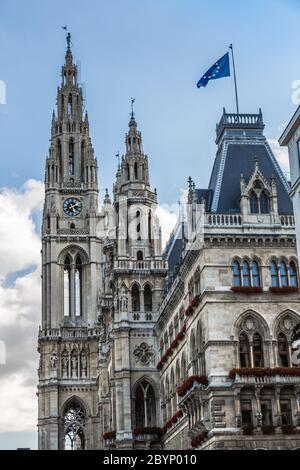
154,51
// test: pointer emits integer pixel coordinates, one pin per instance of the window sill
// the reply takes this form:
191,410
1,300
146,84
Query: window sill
283,290
246,290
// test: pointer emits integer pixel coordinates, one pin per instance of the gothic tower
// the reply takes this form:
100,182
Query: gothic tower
135,273
71,274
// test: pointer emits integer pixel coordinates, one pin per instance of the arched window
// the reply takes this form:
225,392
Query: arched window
70,105
255,274
148,298
183,367
149,226
246,274
67,287
283,350
135,295
82,157
136,170
253,203
236,274
293,274
71,157
78,287
145,406
244,350
274,274
127,171
264,203
74,425
283,274
258,357
139,255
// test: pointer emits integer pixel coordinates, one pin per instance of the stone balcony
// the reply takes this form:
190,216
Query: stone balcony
68,333
139,266
265,376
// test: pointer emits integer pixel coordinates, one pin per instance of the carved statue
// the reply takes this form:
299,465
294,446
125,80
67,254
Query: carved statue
53,360
65,361
74,362
83,361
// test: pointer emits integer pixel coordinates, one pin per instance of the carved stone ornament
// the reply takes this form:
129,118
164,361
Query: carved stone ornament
144,354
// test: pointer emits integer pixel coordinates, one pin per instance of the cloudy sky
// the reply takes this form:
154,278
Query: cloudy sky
154,50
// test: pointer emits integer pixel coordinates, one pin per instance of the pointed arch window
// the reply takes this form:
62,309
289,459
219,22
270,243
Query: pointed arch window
283,274
74,426
274,274
148,298
264,203
67,287
70,105
283,350
78,287
244,350
237,280
246,274
71,156
253,203
258,357
135,296
136,171
82,157
255,274
149,226
127,171
145,406
293,274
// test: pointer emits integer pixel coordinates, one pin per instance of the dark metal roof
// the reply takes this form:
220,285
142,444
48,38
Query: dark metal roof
238,159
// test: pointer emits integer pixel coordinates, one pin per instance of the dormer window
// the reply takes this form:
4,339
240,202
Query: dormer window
259,200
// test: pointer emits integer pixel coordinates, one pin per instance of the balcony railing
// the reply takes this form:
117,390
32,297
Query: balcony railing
236,220
145,265
69,333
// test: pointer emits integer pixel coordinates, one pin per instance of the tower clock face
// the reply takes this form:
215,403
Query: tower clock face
72,206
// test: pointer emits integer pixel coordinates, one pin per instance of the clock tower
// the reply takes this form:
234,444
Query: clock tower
71,277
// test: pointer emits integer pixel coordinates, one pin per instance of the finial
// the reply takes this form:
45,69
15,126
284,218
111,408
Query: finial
132,103
118,157
190,182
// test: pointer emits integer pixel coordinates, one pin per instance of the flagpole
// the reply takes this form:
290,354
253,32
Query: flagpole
235,84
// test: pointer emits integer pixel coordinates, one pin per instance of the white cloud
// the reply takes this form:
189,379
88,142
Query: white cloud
168,215
19,242
20,305
281,153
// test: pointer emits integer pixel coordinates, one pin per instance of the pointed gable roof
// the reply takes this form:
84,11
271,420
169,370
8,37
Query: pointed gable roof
241,142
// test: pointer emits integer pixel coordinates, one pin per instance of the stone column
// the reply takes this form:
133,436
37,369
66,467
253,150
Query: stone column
278,408
257,392
237,402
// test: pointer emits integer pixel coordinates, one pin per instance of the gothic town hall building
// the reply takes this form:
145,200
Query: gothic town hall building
190,347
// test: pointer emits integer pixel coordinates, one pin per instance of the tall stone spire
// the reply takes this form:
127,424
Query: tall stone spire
71,151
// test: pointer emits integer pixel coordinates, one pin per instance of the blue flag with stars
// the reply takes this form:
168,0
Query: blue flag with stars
219,70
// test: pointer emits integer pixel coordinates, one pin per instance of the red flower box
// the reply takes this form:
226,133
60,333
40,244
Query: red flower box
188,383
189,311
109,435
183,329
195,301
180,336
196,441
174,343
179,413
169,352
147,430
283,290
174,419
246,289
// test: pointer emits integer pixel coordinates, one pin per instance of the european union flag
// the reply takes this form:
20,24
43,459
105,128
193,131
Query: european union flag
219,70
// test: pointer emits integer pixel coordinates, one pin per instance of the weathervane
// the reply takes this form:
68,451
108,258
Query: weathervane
68,36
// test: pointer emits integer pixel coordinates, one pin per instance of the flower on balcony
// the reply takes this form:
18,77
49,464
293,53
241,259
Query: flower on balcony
183,329
174,343
159,365
147,430
268,430
109,435
248,429
179,414
196,441
174,419
188,383
195,301
283,289
189,310
289,429
264,371
169,352
246,289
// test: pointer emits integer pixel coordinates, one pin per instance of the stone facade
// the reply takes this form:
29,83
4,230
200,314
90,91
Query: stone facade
190,347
